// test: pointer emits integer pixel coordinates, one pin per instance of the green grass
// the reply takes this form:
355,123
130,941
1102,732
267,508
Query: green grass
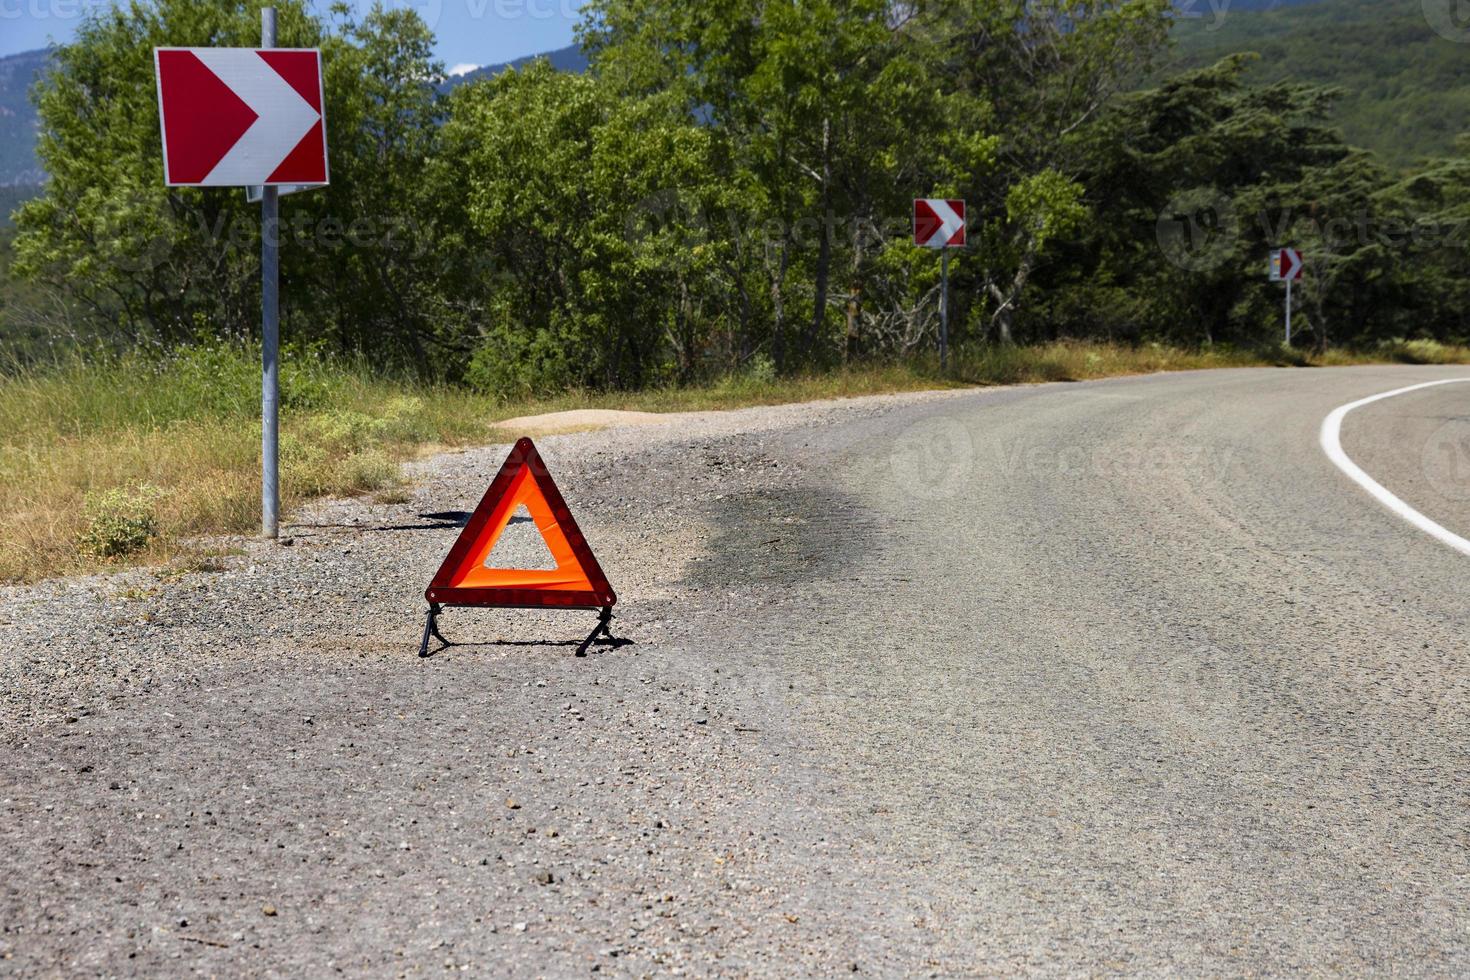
134,460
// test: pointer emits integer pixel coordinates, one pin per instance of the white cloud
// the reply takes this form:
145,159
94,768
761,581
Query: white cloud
459,70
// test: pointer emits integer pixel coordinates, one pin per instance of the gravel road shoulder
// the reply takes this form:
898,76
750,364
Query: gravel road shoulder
250,771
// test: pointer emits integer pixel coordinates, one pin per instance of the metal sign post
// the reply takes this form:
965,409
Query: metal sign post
270,335
1288,313
1287,265
252,118
943,309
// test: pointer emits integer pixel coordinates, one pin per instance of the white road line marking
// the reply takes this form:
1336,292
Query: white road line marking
1332,446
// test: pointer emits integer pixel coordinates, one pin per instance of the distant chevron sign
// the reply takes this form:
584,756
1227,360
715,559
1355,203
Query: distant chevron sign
241,117
1286,265
939,223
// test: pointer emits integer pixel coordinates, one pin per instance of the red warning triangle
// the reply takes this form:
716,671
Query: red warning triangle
465,580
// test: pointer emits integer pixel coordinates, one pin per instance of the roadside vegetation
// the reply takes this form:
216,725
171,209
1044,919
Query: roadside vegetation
140,460
735,181
1401,87
716,213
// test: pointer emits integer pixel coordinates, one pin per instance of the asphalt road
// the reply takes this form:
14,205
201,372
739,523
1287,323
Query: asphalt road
1150,685
1114,678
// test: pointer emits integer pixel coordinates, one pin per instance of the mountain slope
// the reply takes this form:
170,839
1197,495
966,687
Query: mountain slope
1406,89
18,163
569,58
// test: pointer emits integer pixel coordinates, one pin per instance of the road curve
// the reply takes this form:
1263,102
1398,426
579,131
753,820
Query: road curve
1443,454
1142,682
1122,677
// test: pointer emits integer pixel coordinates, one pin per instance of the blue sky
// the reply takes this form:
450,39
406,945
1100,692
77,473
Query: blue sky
470,32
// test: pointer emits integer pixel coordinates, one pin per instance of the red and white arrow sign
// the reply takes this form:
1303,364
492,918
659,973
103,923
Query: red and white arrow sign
939,223
241,117
1287,265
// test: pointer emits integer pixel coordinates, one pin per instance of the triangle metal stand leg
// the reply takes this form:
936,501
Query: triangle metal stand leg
601,634
604,621
431,628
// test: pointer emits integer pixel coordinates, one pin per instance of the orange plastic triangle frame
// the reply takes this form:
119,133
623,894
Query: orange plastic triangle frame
577,581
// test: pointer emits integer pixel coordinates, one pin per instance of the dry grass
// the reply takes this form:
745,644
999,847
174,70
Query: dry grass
126,462
120,463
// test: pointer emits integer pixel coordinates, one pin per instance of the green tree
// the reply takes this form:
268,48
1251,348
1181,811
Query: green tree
143,263
1189,186
812,108
1048,69
364,257
1432,252
570,203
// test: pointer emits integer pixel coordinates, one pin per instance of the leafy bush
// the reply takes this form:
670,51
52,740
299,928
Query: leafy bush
761,370
120,521
340,429
340,453
304,464
1423,352
512,364
370,469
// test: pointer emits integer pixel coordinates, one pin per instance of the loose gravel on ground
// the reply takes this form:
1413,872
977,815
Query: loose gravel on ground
250,770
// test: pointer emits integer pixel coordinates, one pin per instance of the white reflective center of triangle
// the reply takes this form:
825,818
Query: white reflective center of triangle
521,547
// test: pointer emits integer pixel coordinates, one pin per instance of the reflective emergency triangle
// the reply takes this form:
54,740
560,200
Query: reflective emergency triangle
577,581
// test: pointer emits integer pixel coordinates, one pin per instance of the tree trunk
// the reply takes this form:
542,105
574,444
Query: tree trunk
778,305
1003,331
854,300
824,249
854,290
1006,300
1319,327
688,343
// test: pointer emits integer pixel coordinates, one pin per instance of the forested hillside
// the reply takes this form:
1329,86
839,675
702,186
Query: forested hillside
729,189
1405,87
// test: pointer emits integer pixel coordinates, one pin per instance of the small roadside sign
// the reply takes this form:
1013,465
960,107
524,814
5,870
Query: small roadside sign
939,223
1286,265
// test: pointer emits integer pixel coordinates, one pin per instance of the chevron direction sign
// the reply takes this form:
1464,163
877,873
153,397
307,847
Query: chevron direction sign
241,117
939,223
1286,265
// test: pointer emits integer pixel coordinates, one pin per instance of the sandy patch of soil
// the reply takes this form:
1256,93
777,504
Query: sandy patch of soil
578,420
